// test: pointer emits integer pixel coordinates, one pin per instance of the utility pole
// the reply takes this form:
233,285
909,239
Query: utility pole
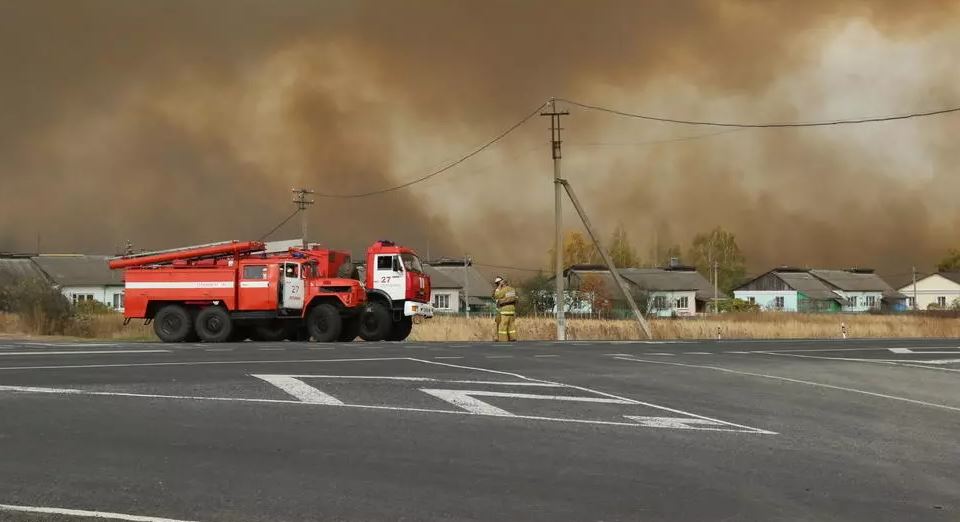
915,304
557,219
716,293
466,285
302,202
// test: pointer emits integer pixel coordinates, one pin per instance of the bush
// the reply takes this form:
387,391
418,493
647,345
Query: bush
41,307
738,305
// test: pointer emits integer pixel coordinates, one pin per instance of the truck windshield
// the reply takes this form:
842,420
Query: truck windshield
411,263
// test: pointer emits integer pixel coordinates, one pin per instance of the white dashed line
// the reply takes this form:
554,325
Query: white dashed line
546,356
272,349
667,354
219,349
499,357
449,357
697,353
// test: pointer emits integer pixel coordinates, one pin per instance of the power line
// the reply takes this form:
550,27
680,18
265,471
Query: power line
284,222
441,170
654,142
852,121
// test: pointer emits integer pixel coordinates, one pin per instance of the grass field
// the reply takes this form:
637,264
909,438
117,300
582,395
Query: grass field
768,325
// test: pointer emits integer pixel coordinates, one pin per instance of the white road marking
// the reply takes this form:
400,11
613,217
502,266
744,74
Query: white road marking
871,349
86,352
605,394
421,379
300,389
908,350
547,355
63,391
219,349
857,359
449,357
70,345
199,363
680,423
667,354
799,381
467,400
83,513
697,353
499,357
272,349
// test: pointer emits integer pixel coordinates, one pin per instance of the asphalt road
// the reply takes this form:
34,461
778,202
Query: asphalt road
845,430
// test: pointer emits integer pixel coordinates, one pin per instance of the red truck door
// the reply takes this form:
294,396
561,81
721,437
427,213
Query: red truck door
293,286
258,286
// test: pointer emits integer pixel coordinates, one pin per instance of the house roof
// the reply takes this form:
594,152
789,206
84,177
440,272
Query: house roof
454,274
852,281
439,279
14,269
953,276
654,279
79,270
808,285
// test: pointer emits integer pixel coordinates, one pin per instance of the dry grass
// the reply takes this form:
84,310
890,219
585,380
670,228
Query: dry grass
732,326
105,326
767,325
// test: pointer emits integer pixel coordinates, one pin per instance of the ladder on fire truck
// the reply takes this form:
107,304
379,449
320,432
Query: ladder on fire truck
190,253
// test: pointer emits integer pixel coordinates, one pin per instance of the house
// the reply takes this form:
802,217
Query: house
83,278
935,291
672,291
789,289
454,286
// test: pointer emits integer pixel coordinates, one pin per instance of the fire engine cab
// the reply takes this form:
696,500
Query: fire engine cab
398,290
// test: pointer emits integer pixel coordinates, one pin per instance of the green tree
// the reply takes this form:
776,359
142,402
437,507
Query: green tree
577,250
621,251
718,246
536,295
950,262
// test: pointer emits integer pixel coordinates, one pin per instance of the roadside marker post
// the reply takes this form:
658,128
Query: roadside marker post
843,329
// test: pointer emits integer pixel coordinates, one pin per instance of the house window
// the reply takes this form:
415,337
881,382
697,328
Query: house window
911,302
752,300
942,301
118,301
255,272
682,302
778,302
853,300
871,301
79,298
659,302
441,301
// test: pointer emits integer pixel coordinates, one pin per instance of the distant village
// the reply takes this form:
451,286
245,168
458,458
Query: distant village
675,290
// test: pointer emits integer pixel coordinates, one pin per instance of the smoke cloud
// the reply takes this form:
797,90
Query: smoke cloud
178,122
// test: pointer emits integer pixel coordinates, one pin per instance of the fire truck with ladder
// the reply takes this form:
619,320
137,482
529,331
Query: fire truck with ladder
235,290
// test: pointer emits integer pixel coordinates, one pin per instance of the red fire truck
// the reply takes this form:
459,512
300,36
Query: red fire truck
235,290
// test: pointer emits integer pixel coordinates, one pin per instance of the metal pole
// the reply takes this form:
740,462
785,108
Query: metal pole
557,216
302,202
915,304
466,286
606,259
716,293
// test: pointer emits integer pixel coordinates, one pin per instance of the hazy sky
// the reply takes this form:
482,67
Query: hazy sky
170,123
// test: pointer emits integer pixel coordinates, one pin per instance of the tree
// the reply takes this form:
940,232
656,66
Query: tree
621,251
718,246
950,262
577,250
672,252
594,291
536,295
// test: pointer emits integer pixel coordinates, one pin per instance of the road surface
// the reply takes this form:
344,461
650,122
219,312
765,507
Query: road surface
731,430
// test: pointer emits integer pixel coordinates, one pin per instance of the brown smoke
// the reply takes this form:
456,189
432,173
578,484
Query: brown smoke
177,122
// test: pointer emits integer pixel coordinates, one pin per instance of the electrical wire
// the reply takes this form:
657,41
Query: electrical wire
441,170
274,229
654,142
852,121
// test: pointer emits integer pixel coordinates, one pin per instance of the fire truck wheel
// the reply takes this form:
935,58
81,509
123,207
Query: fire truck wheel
351,329
375,322
214,325
401,329
324,323
172,324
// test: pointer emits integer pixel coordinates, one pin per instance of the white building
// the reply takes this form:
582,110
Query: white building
83,278
672,291
453,286
933,291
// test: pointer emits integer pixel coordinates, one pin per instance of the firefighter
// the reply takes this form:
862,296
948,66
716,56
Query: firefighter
506,298
496,317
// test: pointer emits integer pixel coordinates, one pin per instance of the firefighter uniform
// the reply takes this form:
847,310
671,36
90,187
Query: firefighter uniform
506,298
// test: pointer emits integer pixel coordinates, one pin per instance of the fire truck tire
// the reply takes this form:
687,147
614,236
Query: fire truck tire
214,325
401,329
324,323
375,322
173,324
351,329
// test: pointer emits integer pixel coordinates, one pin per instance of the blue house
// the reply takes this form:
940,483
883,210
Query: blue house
789,289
